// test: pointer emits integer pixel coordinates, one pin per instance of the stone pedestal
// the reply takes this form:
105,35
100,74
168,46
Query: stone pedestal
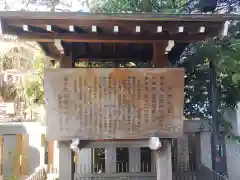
55,157
134,159
84,161
64,161
110,160
164,162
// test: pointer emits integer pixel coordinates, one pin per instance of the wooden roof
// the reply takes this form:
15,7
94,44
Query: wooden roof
93,30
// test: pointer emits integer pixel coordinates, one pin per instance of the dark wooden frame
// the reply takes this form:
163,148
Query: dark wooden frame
44,27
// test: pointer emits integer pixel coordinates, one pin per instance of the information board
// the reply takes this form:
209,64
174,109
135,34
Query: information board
120,103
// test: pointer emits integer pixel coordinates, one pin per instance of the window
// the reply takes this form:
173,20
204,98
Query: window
16,50
145,159
122,160
98,160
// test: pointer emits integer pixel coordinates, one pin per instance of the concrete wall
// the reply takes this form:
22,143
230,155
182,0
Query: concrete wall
206,157
233,159
182,149
84,161
33,157
233,155
9,145
21,128
34,152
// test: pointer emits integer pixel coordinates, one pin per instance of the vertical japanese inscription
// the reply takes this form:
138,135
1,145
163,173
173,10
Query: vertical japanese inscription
170,126
154,99
138,81
146,100
79,100
105,104
169,99
65,102
60,107
161,101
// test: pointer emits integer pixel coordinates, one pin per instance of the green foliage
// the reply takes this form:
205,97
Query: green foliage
106,64
49,4
195,61
163,6
32,84
7,63
30,88
225,51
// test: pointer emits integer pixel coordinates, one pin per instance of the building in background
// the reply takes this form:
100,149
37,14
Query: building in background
22,143
16,61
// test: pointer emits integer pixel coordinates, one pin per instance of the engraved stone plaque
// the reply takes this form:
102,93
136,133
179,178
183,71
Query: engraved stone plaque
97,103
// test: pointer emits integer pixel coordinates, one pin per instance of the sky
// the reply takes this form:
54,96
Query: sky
74,5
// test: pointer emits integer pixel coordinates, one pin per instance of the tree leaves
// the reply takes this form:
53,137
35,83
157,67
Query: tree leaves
195,59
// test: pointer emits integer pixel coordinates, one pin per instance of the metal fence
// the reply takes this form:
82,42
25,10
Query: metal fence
180,172
39,174
195,172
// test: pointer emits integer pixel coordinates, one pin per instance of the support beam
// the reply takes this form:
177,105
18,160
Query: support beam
42,149
110,161
66,62
55,157
218,146
16,154
73,170
134,159
50,156
183,150
193,155
84,166
112,38
164,162
160,59
24,155
1,26
110,143
64,161
1,155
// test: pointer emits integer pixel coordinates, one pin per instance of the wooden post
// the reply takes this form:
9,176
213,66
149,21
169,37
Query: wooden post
76,159
160,59
42,149
16,154
50,156
55,157
66,163
164,155
66,62
24,154
1,156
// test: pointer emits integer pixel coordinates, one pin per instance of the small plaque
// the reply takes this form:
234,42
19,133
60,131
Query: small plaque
96,103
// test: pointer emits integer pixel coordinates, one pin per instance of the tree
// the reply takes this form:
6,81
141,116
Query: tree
195,58
26,5
196,62
163,6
